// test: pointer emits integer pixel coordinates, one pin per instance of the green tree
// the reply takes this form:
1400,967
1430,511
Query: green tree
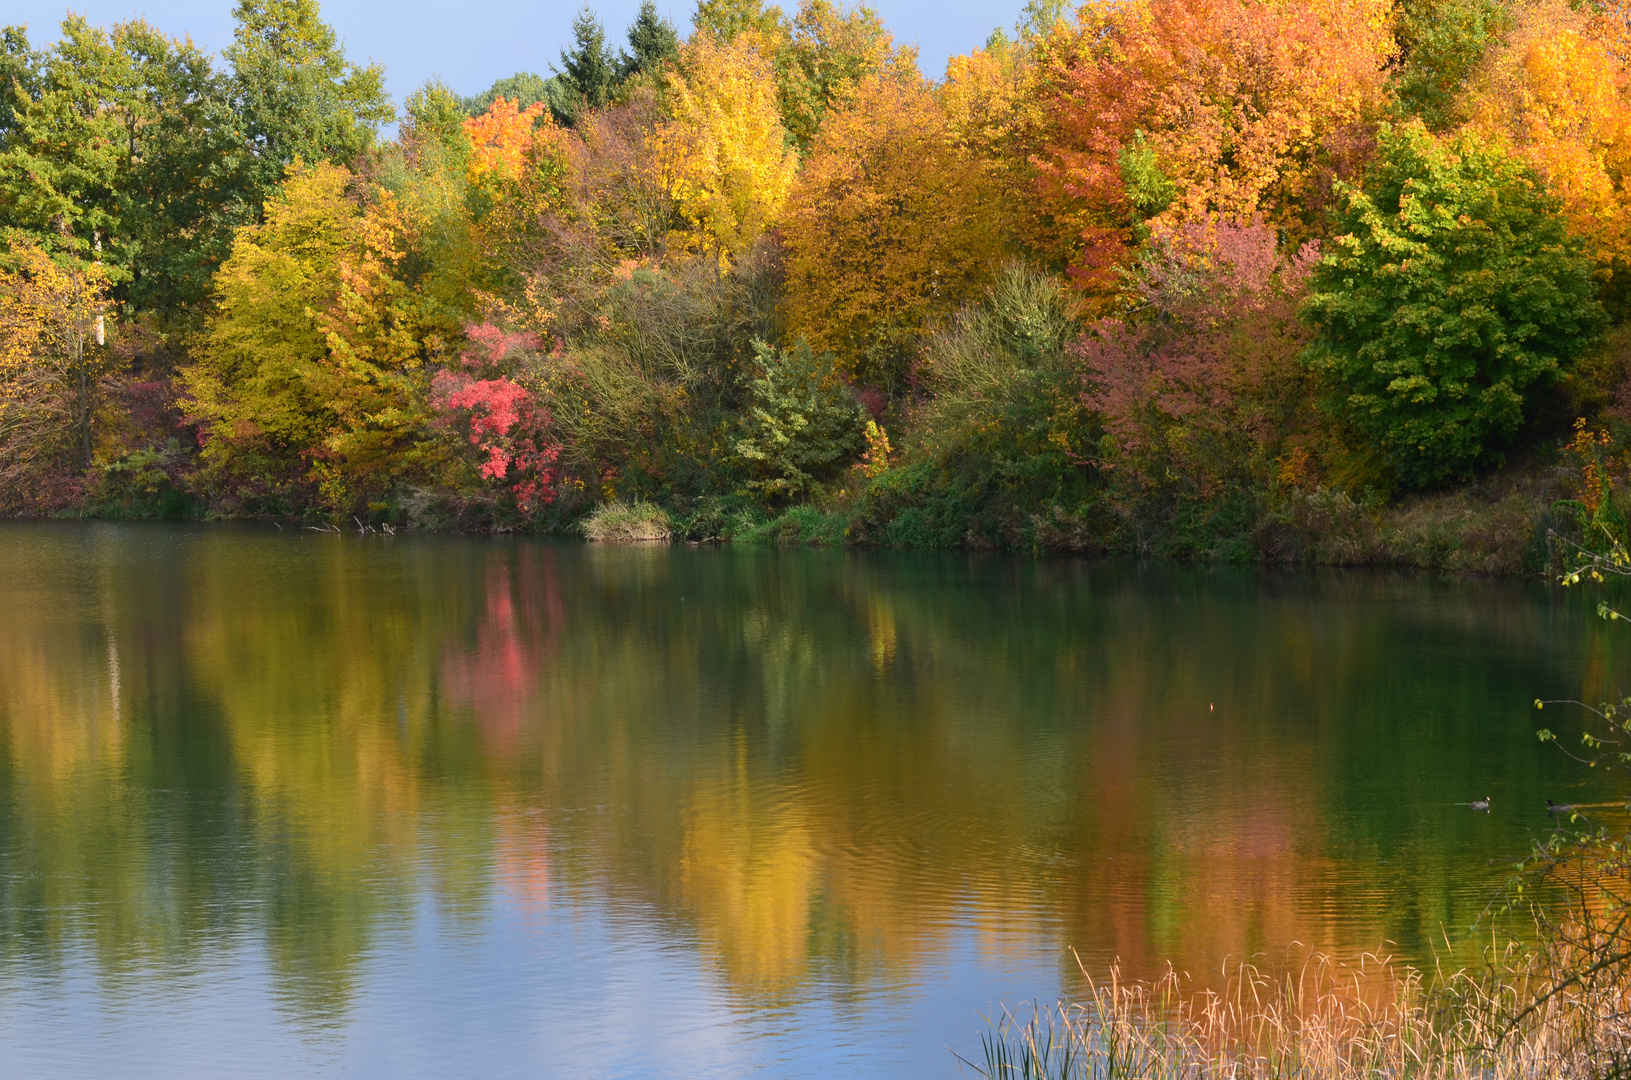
1441,43
725,19
1451,288
434,113
298,97
589,70
803,425
123,140
17,67
831,49
652,41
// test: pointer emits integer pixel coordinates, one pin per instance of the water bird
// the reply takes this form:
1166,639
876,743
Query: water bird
1558,808
1477,804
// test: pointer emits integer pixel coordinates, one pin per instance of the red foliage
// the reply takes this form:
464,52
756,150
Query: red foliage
1205,384
873,400
498,342
501,419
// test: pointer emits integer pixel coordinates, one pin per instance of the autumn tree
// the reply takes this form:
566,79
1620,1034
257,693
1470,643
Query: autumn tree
624,182
513,181
311,381
890,222
1555,90
818,55
1172,110
53,371
732,162
1202,388
500,418
1451,289
995,114
501,140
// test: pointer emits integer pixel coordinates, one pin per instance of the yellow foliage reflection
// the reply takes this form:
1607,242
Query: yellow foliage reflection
824,772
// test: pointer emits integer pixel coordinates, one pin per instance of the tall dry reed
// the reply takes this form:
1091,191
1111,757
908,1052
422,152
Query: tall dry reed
1516,1016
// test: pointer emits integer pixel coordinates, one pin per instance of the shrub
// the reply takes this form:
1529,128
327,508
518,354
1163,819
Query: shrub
1451,288
501,421
1001,443
147,482
651,374
1200,390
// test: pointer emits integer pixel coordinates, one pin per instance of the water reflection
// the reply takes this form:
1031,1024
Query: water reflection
800,786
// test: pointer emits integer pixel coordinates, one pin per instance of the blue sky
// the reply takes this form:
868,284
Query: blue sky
470,43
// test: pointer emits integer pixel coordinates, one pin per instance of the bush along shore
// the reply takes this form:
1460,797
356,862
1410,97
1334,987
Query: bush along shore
1238,280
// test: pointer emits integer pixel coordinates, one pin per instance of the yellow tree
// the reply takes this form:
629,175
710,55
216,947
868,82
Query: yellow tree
53,365
733,165
991,106
1559,91
311,375
818,55
892,223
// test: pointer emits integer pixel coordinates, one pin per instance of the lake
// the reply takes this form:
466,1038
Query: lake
281,804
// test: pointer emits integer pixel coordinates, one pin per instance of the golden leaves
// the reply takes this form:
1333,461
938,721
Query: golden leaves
732,162
1558,90
891,219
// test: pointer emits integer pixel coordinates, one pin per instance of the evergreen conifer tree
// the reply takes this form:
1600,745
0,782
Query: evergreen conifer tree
653,41
589,69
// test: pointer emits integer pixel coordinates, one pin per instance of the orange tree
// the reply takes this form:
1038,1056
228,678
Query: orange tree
1558,92
1170,110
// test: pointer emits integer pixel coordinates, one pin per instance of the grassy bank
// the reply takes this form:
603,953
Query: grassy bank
1498,526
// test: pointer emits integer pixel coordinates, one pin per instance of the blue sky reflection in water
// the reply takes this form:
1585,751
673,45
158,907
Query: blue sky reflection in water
293,804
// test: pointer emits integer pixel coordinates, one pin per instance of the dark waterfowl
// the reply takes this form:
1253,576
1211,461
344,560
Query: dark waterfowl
1558,808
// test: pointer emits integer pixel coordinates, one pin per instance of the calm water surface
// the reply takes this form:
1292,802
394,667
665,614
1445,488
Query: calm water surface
304,805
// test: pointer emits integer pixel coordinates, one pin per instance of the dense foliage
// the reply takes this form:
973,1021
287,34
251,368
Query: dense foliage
1152,276
1451,287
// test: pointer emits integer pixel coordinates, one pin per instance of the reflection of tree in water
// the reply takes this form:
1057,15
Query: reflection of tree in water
825,768
517,632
